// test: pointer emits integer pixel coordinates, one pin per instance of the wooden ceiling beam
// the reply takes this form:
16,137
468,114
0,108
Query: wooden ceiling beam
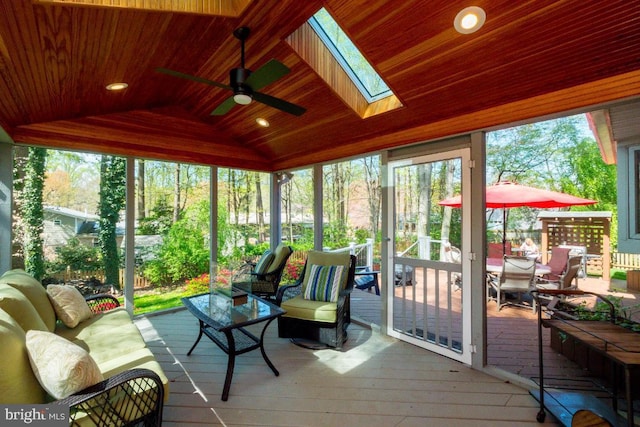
231,8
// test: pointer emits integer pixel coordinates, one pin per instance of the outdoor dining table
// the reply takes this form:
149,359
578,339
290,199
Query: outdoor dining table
494,266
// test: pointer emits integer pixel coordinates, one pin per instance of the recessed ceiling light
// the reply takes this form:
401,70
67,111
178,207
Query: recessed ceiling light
469,20
262,122
117,86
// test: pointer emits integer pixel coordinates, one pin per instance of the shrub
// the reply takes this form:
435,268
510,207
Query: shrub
200,284
76,256
292,270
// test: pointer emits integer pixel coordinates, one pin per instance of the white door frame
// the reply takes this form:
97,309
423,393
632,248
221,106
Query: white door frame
467,349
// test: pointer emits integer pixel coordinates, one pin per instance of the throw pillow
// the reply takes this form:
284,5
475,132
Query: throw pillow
325,283
62,367
69,304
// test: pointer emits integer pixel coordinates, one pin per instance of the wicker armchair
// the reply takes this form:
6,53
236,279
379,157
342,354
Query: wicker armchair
319,321
134,397
265,276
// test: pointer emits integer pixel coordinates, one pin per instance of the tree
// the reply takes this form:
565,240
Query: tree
259,209
374,191
141,204
176,193
112,201
33,213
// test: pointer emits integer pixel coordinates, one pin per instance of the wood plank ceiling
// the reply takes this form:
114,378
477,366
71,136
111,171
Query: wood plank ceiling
532,58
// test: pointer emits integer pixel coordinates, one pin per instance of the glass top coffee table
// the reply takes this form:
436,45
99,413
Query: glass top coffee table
225,325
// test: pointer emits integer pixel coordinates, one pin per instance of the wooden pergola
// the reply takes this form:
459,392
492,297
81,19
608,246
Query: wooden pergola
589,230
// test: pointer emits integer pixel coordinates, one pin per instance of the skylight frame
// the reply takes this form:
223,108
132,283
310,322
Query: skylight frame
344,62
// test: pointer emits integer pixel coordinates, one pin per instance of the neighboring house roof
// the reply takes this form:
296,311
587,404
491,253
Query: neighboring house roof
71,213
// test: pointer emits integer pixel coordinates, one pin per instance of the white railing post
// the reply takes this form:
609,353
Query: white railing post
369,251
352,248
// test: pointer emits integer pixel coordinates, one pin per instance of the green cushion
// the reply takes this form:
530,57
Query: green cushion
35,292
141,358
319,311
324,258
18,383
264,263
105,336
281,253
20,309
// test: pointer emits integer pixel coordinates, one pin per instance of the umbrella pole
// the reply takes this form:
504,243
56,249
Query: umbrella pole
504,232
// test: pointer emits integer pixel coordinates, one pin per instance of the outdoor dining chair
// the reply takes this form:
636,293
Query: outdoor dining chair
568,278
517,277
557,263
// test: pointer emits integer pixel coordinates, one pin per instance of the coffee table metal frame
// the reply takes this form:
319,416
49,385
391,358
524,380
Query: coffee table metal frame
225,325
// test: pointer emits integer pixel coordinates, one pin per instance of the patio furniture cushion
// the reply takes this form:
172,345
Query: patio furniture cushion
69,304
325,282
62,367
18,383
96,335
35,293
266,260
280,255
18,306
319,311
323,258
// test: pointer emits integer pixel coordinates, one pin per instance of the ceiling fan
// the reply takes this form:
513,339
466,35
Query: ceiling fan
245,83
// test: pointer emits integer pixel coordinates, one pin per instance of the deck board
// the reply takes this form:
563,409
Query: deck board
374,381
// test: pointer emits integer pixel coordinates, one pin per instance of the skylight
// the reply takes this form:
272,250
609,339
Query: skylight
347,54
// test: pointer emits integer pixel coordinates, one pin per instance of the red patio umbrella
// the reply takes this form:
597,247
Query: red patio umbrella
505,194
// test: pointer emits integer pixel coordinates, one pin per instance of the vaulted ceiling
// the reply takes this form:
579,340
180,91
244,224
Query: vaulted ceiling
531,59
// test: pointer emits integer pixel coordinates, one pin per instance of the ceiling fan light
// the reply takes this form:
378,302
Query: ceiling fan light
469,20
242,98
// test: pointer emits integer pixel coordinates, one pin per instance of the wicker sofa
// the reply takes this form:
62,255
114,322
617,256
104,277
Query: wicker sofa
131,385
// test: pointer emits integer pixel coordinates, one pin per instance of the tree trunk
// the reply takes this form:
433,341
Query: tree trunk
448,186
259,209
33,212
141,205
372,180
176,194
424,198
112,201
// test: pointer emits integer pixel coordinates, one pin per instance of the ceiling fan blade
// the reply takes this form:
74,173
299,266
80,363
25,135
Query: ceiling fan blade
267,74
224,107
190,77
278,103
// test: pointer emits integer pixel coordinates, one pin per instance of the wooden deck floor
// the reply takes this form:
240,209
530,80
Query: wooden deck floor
373,381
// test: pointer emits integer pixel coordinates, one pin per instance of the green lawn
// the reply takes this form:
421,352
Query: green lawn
159,300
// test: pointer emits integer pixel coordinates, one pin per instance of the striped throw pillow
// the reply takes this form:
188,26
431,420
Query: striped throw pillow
265,262
325,282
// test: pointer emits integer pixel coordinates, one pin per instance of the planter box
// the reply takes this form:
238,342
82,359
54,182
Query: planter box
633,280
